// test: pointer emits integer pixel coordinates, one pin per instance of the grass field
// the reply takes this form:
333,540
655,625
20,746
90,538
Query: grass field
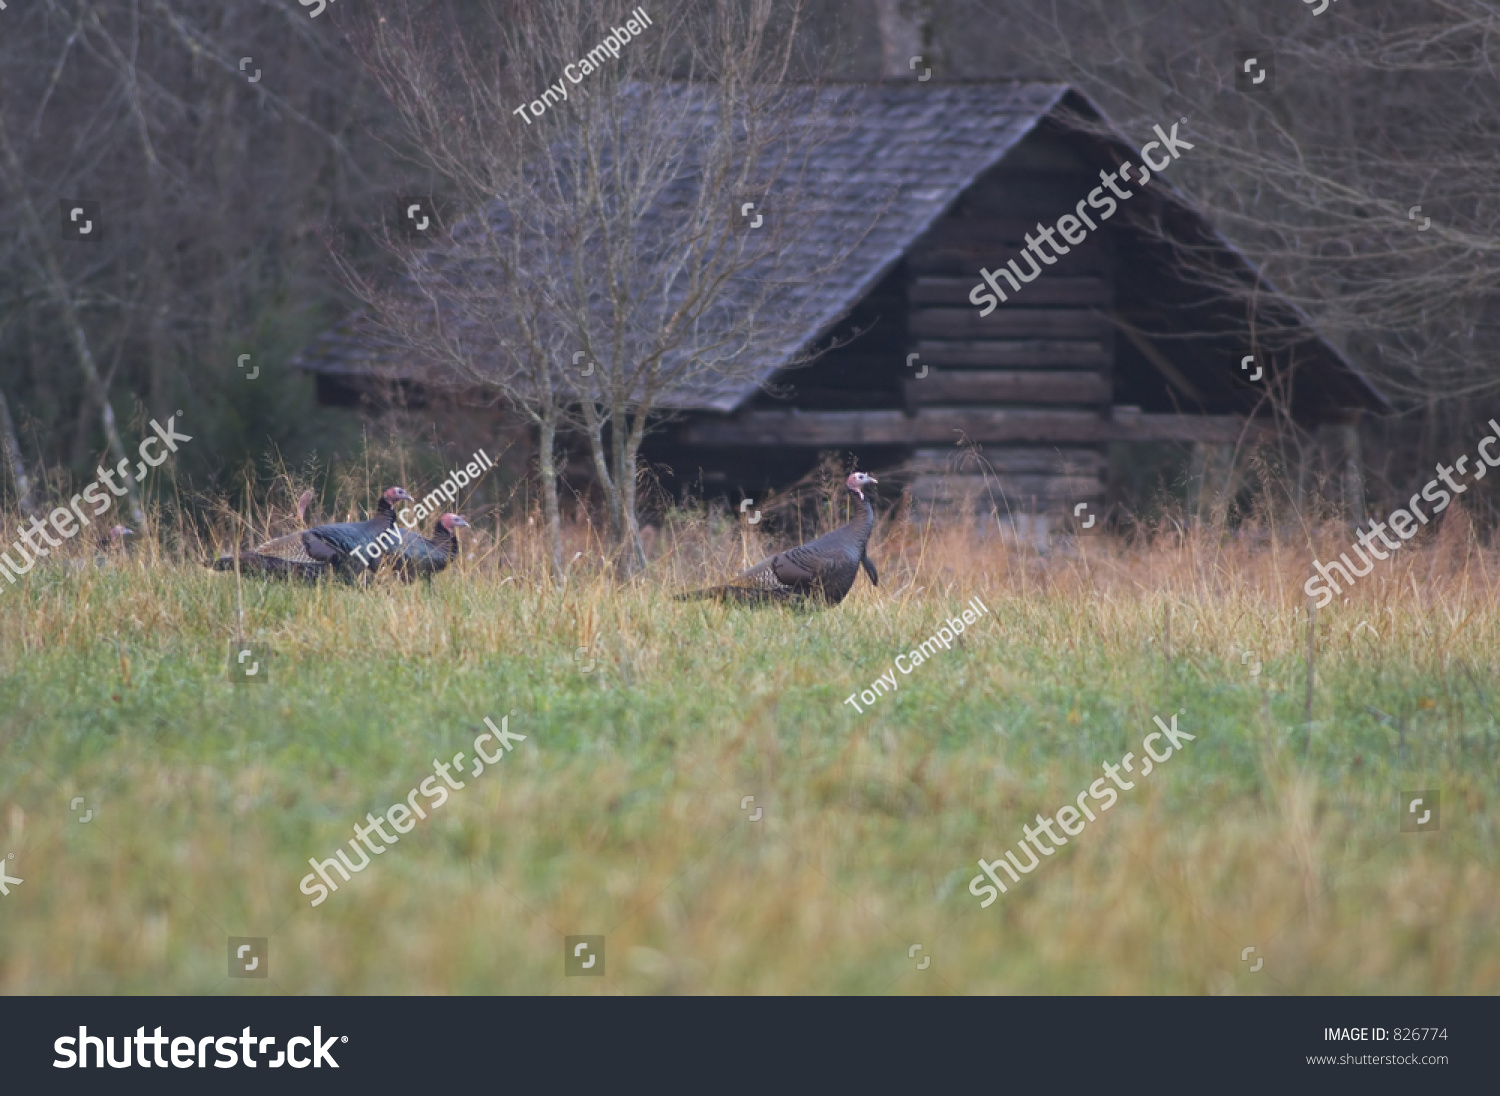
621,812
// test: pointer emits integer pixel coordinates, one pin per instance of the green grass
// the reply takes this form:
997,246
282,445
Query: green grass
620,814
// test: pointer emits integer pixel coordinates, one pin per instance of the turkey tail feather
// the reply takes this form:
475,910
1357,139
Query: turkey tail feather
251,563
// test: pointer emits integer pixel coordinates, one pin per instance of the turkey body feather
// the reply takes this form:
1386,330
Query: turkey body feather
422,557
822,570
339,549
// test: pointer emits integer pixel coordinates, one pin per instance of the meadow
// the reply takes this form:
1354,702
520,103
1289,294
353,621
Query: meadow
623,813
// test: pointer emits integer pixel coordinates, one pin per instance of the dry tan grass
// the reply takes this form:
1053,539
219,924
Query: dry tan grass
621,813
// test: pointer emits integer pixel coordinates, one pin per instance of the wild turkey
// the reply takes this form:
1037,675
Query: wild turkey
340,549
113,547
421,557
820,570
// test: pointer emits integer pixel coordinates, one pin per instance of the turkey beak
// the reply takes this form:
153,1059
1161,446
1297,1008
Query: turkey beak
459,520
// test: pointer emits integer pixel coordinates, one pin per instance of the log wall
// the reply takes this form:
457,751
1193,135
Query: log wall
1037,369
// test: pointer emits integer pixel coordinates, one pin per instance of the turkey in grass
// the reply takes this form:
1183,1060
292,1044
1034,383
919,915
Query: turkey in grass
820,570
423,557
114,547
341,548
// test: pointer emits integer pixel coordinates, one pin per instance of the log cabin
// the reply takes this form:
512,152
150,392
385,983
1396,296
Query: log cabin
1010,413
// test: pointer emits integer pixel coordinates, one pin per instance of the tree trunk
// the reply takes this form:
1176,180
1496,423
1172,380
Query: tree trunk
1210,478
155,280
619,438
607,483
629,467
1354,476
71,322
1197,470
12,450
615,464
547,467
905,32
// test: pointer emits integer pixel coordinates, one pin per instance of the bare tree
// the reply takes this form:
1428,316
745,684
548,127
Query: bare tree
619,255
206,182
61,292
1359,178
467,335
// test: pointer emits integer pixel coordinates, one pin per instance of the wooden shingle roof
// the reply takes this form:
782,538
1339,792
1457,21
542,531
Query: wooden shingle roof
909,149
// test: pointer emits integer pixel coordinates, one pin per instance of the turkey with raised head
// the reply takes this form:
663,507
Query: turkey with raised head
422,557
346,549
821,570
113,546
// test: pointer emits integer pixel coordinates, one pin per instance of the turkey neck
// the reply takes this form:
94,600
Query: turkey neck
385,514
867,526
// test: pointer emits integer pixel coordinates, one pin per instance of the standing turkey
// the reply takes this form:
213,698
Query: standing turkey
342,549
821,570
421,557
113,547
